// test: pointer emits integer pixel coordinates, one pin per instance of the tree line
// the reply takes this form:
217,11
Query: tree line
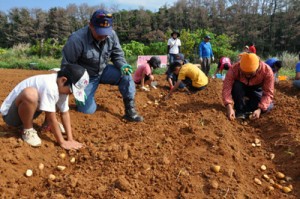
273,25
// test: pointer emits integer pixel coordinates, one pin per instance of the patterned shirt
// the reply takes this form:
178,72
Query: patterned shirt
263,77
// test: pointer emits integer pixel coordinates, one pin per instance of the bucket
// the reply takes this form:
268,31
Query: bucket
282,78
219,76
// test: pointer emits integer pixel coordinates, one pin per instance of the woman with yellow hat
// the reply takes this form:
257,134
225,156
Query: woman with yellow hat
248,88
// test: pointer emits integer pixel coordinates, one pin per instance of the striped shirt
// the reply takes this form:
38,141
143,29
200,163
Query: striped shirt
263,77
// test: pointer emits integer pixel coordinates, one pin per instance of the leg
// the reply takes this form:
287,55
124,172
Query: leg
27,103
296,83
90,105
208,66
238,94
112,75
203,65
254,93
23,111
171,58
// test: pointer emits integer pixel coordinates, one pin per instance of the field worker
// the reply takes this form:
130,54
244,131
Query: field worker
172,77
252,48
275,65
143,74
95,47
174,45
296,82
246,49
206,54
223,64
248,88
45,93
192,76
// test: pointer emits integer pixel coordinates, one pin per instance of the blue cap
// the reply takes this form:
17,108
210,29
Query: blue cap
179,57
102,22
207,37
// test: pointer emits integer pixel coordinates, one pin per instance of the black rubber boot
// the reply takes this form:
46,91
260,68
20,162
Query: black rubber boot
130,112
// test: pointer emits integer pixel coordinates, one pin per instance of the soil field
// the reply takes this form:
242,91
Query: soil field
169,155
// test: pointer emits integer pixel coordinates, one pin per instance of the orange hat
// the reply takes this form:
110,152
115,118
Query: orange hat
249,62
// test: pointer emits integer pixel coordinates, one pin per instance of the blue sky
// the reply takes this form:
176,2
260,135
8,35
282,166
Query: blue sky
153,5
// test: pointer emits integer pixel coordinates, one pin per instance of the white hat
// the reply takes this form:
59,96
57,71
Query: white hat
78,77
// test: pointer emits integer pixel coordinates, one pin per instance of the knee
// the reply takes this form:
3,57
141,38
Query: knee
28,95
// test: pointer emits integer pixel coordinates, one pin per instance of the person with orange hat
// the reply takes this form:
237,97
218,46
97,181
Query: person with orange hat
248,88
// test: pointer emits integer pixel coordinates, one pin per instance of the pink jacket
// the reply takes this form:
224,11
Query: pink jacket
264,77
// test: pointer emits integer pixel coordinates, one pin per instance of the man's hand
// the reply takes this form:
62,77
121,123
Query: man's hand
230,112
201,60
69,145
212,58
126,69
256,114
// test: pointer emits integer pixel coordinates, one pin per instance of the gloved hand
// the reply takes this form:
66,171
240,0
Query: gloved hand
201,60
171,87
143,88
213,58
80,103
126,69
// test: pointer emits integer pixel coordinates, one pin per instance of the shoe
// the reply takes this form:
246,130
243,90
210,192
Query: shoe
46,127
241,116
248,114
133,118
31,137
130,112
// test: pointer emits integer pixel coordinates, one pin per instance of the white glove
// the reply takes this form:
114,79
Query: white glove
143,88
213,76
213,58
201,60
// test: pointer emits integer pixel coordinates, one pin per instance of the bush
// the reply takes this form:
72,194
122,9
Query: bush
50,47
289,60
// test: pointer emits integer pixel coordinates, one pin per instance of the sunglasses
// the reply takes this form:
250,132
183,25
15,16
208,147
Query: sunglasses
104,16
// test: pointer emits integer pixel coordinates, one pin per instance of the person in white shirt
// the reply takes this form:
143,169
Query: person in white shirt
174,45
45,93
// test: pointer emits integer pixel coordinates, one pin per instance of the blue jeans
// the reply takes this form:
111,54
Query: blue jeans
111,75
171,58
296,83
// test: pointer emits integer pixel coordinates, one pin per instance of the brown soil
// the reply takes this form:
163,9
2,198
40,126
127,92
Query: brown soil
169,155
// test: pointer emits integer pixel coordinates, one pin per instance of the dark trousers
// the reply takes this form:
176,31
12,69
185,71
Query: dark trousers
189,84
205,65
246,98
